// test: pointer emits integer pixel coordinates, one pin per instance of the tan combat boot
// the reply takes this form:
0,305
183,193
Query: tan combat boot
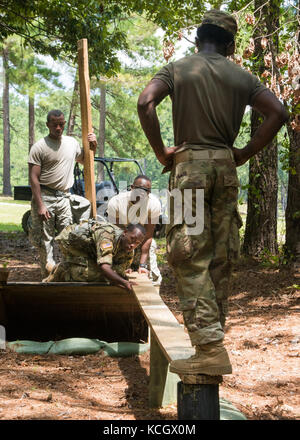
211,359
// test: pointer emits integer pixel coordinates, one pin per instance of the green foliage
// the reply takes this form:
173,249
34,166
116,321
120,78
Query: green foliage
54,26
29,73
274,261
161,251
123,134
19,130
114,30
10,227
294,286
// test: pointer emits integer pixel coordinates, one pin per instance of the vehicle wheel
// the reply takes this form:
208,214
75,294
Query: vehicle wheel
26,221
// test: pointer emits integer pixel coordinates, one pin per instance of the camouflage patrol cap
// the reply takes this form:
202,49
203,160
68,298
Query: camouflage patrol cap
221,19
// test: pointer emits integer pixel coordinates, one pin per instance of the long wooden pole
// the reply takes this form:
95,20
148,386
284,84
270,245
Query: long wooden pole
86,124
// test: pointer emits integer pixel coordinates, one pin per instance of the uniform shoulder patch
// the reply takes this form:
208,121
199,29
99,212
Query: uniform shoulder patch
106,245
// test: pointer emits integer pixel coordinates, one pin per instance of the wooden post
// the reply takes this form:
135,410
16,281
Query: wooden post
198,402
86,124
163,383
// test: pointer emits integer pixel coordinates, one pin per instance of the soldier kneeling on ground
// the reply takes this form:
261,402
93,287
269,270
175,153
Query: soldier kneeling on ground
97,252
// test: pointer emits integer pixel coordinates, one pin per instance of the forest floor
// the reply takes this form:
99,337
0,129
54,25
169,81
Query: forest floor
262,338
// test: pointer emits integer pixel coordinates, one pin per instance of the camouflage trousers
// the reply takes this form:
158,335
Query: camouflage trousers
80,269
154,272
42,234
202,263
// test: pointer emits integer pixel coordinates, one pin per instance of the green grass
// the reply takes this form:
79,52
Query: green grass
10,200
10,227
11,215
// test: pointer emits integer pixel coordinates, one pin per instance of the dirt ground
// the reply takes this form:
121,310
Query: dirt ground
262,338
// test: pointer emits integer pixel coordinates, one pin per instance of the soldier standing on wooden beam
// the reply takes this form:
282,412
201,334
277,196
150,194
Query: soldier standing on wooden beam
209,95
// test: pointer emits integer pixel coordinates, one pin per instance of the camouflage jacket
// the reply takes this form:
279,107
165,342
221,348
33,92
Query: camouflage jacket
100,242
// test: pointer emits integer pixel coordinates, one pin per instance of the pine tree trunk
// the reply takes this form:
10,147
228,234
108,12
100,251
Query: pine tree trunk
73,108
101,140
6,126
292,213
30,124
31,121
261,222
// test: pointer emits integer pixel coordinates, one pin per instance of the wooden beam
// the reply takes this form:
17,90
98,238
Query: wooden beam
169,342
86,124
171,337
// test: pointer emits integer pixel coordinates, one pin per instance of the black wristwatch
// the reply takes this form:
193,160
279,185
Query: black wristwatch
144,265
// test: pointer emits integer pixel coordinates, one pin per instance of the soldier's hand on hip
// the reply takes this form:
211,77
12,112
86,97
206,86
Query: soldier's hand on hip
168,156
239,157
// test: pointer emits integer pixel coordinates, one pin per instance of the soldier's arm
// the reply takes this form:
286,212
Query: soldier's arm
151,96
275,116
104,249
34,177
114,278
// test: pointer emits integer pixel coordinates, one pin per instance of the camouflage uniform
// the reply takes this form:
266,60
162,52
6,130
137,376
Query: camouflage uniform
42,233
202,263
63,207
85,247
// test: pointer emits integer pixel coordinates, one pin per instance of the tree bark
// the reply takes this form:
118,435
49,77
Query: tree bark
261,222
31,121
31,124
292,213
101,139
6,126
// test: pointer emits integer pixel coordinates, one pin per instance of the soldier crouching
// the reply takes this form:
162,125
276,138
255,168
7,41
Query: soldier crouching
96,252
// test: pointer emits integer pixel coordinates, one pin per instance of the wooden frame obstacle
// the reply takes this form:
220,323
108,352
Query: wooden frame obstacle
53,311
93,310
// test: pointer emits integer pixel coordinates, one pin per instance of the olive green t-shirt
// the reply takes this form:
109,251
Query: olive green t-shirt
209,95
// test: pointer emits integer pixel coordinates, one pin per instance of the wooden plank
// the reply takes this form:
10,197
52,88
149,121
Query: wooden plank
173,340
68,295
163,383
86,124
46,311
